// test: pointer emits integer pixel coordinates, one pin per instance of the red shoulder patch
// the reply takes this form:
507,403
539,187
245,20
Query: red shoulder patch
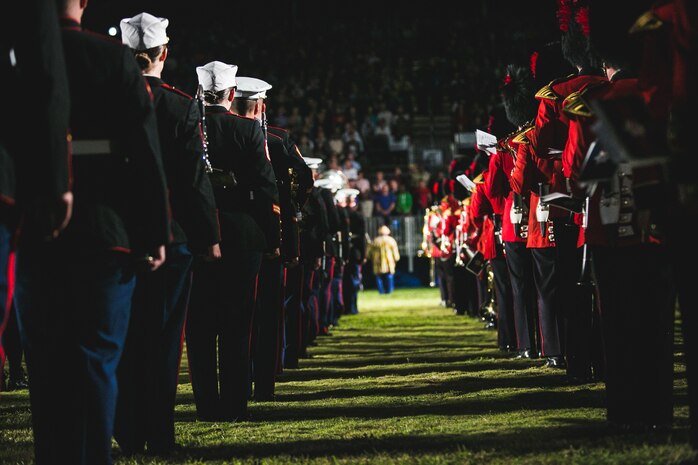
176,91
243,117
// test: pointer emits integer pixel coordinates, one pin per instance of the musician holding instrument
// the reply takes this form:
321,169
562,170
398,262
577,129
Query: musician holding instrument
223,292
268,322
625,227
149,368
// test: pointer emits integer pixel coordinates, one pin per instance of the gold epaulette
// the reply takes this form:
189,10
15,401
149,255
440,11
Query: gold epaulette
576,105
479,179
520,137
647,22
547,93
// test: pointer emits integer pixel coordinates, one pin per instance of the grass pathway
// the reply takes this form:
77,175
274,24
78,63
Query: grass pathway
405,381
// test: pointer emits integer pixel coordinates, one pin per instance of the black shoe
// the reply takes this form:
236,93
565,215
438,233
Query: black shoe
555,362
507,349
324,331
291,365
525,353
305,355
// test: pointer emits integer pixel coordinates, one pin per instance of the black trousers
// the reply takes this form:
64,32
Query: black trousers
520,264
218,334
637,309
293,292
312,286
546,279
506,328
439,270
267,326
482,293
351,282
325,278
576,303
73,306
149,368
12,344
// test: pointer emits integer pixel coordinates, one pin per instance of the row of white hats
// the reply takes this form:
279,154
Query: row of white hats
145,31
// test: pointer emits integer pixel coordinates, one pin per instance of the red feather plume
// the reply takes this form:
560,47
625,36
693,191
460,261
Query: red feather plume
582,18
534,63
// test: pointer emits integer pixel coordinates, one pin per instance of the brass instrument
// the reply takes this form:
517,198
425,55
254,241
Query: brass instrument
488,311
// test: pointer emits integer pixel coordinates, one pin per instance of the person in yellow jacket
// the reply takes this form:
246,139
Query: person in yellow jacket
384,254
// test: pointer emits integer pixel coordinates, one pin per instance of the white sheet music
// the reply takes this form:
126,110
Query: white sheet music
466,182
486,141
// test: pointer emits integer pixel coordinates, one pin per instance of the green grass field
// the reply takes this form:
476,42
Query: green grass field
405,381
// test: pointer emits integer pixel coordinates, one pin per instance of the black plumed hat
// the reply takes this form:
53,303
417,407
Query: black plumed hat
573,18
609,23
499,125
518,95
547,63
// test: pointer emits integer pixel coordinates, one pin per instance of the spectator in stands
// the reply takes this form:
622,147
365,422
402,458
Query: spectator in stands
384,202
385,114
383,129
379,182
336,141
295,121
333,162
422,196
351,156
321,146
402,123
351,137
305,145
384,254
349,170
404,201
365,195
367,128
281,119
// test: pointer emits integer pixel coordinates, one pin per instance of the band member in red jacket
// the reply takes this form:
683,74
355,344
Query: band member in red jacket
625,223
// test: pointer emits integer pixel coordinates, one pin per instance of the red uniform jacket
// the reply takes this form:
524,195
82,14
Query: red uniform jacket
580,137
499,191
551,123
481,208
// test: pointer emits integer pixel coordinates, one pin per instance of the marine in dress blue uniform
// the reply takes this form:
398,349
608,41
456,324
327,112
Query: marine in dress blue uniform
149,368
219,322
74,294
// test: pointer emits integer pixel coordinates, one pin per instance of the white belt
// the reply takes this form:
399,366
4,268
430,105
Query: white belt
91,147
